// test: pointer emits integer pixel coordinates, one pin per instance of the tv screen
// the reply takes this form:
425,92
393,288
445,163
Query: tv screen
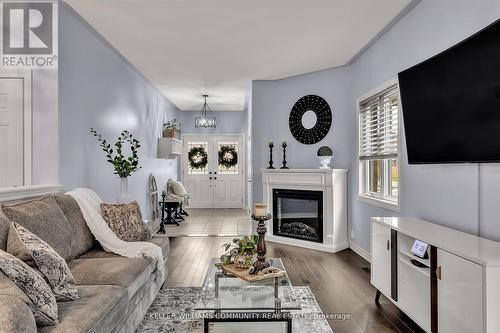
451,103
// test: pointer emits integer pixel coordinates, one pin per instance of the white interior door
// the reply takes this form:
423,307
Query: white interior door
211,184
11,132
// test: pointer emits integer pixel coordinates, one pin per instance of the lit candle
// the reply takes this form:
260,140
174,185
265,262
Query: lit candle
260,210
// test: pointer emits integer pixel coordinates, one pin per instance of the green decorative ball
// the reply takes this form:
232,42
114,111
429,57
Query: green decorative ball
325,151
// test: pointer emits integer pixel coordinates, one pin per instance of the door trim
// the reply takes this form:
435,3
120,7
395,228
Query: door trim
242,160
24,75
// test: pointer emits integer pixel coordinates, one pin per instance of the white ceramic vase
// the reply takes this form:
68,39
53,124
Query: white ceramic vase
324,161
124,196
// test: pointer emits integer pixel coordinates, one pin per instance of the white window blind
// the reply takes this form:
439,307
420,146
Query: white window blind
378,125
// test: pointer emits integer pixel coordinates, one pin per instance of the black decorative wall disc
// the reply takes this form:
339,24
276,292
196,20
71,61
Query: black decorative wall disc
323,113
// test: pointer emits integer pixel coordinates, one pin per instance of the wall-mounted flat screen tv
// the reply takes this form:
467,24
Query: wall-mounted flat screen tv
451,103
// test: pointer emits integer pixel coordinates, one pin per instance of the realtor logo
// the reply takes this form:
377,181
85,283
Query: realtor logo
29,34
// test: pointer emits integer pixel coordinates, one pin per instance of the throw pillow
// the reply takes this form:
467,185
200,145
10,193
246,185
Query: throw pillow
125,220
43,217
43,303
178,188
28,247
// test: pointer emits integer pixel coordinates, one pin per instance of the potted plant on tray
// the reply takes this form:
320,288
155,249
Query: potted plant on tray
241,251
325,155
170,128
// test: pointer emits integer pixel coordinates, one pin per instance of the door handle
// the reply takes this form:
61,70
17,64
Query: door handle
388,245
438,272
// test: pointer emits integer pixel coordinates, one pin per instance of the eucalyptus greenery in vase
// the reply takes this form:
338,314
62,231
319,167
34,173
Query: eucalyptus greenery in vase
124,166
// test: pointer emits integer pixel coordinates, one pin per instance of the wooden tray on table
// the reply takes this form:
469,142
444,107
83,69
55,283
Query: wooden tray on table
243,274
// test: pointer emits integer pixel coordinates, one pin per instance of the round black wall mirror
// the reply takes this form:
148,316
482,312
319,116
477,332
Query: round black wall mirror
310,119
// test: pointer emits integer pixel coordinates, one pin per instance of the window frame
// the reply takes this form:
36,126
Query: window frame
383,200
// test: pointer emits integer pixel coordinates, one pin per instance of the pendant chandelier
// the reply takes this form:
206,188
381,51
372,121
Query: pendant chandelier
207,118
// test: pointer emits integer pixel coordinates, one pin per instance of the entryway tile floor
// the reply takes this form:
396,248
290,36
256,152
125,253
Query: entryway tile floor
213,222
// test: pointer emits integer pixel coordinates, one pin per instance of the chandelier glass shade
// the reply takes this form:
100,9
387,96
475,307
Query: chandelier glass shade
206,119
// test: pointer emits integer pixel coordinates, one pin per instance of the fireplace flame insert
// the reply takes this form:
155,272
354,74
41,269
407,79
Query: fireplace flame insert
298,214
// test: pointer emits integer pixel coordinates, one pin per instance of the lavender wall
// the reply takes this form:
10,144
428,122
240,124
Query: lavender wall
463,197
100,89
45,142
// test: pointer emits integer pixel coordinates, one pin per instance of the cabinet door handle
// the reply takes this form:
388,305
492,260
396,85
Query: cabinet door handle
388,245
438,272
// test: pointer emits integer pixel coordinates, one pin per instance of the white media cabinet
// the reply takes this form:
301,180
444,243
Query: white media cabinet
457,289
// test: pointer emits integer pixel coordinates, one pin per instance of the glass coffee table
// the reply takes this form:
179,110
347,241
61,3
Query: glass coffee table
233,305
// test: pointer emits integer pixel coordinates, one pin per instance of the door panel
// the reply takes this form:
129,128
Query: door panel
381,258
460,294
230,180
196,177
215,185
11,133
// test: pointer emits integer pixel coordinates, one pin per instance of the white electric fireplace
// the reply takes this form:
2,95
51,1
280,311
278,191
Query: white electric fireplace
309,207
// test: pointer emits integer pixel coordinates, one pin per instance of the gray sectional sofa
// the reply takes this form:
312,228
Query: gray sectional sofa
115,292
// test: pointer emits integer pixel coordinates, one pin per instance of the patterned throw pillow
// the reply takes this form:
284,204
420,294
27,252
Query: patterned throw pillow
27,246
126,221
43,305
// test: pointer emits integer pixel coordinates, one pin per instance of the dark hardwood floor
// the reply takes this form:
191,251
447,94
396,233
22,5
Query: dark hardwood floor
337,280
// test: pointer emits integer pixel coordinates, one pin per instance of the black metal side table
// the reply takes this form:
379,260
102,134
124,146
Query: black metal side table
170,207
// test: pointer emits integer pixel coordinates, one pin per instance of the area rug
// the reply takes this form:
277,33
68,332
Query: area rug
173,310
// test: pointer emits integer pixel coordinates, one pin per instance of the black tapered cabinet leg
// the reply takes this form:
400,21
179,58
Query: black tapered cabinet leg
377,297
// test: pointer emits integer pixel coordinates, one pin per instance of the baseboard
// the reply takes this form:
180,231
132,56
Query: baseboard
307,244
360,251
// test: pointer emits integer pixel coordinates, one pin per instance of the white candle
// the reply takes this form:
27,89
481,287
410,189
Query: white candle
260,210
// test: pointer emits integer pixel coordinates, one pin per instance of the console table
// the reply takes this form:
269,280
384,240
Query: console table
454,288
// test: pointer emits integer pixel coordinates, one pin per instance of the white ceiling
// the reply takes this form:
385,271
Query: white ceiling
191,47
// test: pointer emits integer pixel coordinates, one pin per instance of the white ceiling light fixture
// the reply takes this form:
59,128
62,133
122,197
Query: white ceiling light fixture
207,118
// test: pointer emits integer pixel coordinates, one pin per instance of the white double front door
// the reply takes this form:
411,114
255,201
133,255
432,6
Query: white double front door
213,170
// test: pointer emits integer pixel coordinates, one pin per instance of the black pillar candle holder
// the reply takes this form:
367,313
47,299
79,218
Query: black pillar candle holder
261,262
162,206
284,144
271,145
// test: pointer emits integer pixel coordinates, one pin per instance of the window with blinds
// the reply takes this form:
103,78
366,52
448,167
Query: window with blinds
378,148
378,125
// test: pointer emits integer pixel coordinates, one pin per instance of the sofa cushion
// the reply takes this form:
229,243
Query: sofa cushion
83,239
129,273
23,243
44,218
98,310
163,242
125,220
98,252
4,230
16,316
43,303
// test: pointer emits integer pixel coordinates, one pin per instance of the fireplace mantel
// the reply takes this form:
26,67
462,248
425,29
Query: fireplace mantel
333,184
